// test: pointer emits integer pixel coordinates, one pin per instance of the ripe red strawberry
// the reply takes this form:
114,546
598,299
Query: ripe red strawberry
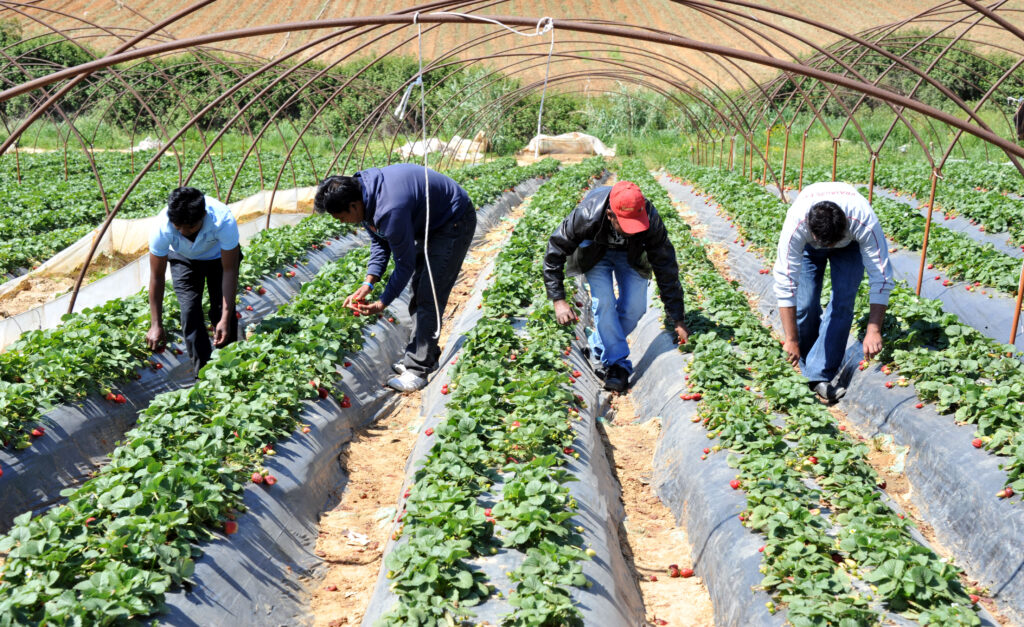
931,265
1005,493
577,374
842,427
515,424
256,477
279,275
355,314
444,389
38,432
696,396
347,364
735,484
331,588
889,384
812,459
270,479
391,319
512,357
706,451
158,365
429,431
230,527
974,599
487,512
977,443
654,578
110,396
491,521
567,350
248,307
305,429
1,469
685,572
90,520
345,403
568,450
919,405
323,392
761,549
673,570
261,291
120,399
238,314
248,288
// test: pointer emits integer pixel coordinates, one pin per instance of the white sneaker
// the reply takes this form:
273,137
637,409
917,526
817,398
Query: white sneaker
408,381
398,367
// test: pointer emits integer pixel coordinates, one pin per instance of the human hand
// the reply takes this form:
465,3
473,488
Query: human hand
564,313
156,337
792,349
357,296
221,332
368,309
872,343
682,333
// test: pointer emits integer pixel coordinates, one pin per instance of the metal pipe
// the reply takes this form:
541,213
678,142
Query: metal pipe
803,151
835,156
1016,311
767,145
785,158
927,229
871,178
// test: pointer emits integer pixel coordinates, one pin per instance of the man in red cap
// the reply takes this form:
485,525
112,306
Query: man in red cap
614,234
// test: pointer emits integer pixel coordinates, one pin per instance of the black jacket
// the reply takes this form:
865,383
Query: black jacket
583,239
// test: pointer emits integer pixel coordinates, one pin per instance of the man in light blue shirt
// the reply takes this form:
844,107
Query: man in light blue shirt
198,236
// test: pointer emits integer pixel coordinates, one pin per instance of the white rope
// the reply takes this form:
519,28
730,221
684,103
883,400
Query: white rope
544,25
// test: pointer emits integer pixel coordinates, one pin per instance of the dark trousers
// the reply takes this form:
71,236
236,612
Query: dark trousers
447,249
189,276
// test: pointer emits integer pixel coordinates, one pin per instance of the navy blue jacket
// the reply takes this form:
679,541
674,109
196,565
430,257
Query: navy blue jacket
396,205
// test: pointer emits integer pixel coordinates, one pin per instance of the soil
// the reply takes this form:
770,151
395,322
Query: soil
652,539
32,293
376,460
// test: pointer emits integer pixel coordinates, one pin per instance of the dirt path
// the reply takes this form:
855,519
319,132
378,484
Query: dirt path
353,534
652,541
883,455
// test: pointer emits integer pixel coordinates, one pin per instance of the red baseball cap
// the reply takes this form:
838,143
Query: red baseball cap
629,206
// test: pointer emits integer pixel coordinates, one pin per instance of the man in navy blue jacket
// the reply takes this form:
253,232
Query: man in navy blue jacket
391,202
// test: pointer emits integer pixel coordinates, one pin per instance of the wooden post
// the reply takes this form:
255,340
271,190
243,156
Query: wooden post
17,162
785,158
732,151
803,151
927,228
871,178
1016,312
835,156
767,145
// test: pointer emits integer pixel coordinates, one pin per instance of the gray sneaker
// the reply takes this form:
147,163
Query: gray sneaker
827,391
398,367
408,381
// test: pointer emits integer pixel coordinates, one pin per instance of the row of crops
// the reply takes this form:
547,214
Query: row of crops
56,200
988,194
94,350
972,377
125,537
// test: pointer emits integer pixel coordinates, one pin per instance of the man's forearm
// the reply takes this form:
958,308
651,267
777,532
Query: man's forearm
876,317
229,288
788,315
156,300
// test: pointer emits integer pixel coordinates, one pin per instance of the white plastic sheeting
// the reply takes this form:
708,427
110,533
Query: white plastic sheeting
462,148
570,143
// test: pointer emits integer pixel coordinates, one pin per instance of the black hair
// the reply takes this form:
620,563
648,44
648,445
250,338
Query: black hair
827,222
186,206
337,193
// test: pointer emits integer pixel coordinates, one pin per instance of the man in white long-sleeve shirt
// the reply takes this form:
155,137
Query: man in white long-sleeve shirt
829,223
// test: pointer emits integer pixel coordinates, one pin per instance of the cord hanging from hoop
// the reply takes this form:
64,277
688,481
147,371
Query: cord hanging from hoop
544,25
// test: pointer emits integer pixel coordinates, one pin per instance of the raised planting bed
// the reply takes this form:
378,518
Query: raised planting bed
182,470
832,547
955,484
508,484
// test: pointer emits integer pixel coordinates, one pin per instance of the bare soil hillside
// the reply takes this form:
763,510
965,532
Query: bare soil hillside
703,21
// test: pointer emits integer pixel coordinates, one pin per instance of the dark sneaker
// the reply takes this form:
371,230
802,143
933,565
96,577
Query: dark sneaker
827,391
617,379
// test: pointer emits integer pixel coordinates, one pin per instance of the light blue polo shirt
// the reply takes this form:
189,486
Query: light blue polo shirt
219,232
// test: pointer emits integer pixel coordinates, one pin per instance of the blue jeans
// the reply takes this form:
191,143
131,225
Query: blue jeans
823,337
614,319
